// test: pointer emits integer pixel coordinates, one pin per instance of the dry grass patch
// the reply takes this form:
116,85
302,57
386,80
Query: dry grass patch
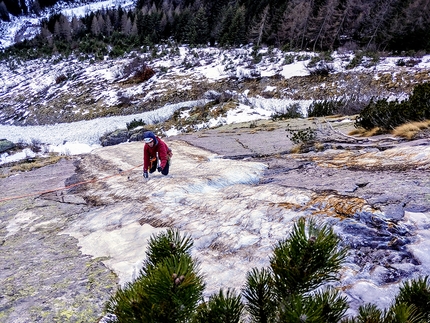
32,164
408,130
337,205
361,132
411,129
296,149
28,165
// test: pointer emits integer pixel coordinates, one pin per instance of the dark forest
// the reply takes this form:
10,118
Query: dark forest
396,26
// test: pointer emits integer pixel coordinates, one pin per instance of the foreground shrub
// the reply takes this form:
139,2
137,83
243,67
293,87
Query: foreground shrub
286,292
399,313
326,306
307,259
368,313
325,108
260,295
417,293
220,308
168,288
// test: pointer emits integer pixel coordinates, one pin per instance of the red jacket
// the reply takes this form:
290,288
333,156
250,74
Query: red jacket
150,152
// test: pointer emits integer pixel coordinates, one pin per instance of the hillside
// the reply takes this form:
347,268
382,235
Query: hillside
52,91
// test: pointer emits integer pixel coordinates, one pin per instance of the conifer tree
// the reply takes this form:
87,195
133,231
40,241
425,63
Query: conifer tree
322,25
126,25
77,26
220,32
202,26
286,292
168,287
238,28
294,24
95,27
108,26
46,35
260,26
417,293
4,13
220,308
13,7
233,30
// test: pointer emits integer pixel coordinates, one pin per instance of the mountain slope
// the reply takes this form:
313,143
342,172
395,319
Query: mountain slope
57,90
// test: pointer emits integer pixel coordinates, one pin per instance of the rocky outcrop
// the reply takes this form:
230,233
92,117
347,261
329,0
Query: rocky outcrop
122,135
44,275
6,145
237,189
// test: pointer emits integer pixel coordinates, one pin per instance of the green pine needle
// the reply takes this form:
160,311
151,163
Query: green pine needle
310,257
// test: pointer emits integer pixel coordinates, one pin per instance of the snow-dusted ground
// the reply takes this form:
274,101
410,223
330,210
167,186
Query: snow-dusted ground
82,136
234,221
26,27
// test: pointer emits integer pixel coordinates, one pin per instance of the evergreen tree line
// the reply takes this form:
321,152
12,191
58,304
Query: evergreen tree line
318,25
22,7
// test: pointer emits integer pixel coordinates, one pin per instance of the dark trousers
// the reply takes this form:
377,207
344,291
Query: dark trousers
154,164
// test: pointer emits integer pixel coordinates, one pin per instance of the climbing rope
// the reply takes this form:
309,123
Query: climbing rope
94,180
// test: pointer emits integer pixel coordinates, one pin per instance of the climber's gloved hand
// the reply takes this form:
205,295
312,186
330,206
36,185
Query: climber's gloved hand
159,168
145,174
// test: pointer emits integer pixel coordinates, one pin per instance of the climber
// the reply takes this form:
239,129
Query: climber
156,155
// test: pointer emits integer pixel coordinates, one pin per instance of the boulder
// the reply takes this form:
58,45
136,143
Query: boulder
114,138
122,135
136,134
6,145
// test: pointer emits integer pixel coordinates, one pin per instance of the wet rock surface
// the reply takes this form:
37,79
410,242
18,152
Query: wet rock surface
364,188
389,174
44,275
49,272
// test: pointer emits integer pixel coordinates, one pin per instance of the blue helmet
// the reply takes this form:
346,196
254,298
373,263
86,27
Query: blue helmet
149,136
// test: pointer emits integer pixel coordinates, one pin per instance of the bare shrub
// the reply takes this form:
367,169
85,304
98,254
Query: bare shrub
349,46
144,73
60,78
123,99
138,69
36,145
320,69
131,67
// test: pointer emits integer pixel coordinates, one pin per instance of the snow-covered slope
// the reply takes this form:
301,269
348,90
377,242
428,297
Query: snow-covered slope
26,27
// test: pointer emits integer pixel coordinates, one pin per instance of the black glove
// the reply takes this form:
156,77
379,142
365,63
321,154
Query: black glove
159,169
145,174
